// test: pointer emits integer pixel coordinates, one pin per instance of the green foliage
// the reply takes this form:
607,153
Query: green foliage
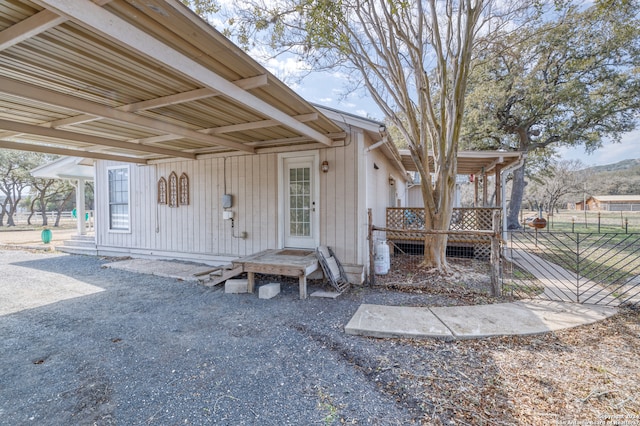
570,81
16,180
203,8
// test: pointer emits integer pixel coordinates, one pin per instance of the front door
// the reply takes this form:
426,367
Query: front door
300,204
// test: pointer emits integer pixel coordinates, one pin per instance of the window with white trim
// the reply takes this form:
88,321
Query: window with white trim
118,198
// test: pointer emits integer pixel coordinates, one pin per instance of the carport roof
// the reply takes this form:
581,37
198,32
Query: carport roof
471,162
139,81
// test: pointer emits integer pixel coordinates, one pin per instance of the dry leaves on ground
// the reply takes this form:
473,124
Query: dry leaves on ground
585,375
469,281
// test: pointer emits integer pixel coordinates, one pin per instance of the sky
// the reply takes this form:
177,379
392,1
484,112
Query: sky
628,148
327,88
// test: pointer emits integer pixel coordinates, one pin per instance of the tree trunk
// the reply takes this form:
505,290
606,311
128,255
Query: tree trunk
32,210
10,213
61,206
435,245
517,192
435,252
3,211
43,211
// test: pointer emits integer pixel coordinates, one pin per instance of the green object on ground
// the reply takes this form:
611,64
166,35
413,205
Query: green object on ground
46,236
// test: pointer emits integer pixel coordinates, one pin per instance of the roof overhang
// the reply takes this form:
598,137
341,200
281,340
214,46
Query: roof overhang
65,168
135,82
376,131
471,162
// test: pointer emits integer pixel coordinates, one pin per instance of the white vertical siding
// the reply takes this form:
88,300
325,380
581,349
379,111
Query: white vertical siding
378,187
197,228
339,200
197,231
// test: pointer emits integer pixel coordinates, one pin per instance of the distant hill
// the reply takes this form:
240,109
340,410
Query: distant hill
622,178
620,166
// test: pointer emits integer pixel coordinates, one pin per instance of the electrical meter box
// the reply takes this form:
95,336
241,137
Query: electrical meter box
227,201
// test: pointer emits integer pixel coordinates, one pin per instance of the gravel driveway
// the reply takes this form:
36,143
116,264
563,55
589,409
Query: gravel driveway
149,350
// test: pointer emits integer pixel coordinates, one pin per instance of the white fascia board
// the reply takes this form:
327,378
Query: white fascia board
347,118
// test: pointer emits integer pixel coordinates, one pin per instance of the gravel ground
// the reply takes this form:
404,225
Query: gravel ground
157,351
149,350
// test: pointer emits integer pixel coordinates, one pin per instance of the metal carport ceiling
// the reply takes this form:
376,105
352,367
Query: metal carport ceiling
139,81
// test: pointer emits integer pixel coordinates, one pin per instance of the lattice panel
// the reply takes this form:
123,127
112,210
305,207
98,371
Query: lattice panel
405,218
463,219
473,219
482,251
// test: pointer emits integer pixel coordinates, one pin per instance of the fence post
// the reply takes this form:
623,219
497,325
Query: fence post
372,275
496,288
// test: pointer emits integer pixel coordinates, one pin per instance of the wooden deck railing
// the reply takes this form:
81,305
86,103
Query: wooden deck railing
407,219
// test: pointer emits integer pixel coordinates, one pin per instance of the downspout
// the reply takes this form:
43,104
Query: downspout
503,177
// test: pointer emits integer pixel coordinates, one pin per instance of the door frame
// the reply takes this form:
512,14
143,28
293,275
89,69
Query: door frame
314,155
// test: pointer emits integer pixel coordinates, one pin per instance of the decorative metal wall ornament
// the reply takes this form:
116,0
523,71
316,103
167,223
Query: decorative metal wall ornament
173,190
162,191
184,189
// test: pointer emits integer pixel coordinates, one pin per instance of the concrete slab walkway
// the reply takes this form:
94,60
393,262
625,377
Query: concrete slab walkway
471,322
184,271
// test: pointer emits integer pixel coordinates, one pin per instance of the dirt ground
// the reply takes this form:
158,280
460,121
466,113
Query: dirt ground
149,350
33,237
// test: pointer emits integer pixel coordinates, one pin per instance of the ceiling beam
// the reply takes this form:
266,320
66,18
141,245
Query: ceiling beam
193,95
118,30
258,124
228,129
46,149
89,139
32,26
28,91
178,98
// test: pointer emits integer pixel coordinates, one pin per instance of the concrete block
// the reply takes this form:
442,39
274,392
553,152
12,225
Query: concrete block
236,286
326,294
269,291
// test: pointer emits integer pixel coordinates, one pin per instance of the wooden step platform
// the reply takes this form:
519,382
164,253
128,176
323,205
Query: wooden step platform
287,262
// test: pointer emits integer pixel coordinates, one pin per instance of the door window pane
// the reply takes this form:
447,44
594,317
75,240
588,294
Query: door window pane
300,201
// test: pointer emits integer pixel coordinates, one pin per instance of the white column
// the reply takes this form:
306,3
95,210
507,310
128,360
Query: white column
80,212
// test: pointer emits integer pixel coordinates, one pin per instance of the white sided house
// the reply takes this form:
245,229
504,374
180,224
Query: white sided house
199,152
222,207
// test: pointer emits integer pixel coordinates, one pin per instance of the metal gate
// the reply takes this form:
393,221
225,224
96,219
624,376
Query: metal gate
577,267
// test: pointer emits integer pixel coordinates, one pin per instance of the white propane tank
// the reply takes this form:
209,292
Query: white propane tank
382,260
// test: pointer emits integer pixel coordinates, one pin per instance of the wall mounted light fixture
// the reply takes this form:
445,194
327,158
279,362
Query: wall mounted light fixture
325,166
392,181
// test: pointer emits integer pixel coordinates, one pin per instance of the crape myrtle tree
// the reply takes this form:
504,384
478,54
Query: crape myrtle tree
412,57
573,80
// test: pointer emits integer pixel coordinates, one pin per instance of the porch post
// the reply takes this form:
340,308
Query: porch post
485,192
475,191
80,220
498,186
